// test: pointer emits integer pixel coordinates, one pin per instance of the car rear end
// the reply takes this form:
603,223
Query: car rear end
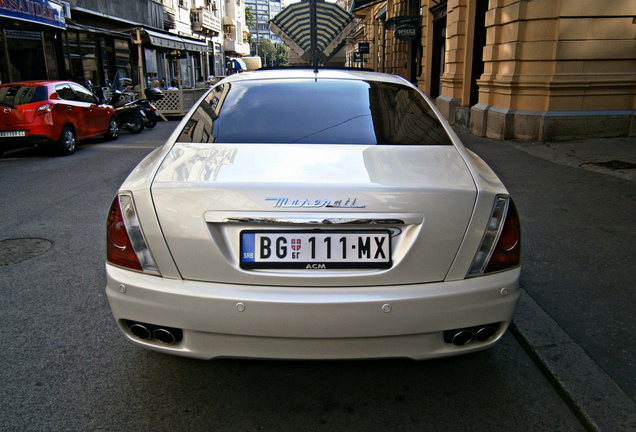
26,115
324,241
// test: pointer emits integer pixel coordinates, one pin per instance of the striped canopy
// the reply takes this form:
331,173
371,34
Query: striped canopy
293,25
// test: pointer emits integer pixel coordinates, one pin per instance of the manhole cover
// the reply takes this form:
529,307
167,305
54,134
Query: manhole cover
13,251
615,165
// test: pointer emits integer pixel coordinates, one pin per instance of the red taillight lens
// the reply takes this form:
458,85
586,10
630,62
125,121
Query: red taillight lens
119,249
507,252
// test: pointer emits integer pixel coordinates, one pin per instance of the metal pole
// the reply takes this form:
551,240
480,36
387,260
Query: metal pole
140,64
314,34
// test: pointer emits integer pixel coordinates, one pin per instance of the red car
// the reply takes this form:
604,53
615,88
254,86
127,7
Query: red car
52,113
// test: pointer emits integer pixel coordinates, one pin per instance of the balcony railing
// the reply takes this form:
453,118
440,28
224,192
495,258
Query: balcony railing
204,21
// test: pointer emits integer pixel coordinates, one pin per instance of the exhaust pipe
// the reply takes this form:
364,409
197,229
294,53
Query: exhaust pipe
485,333
463,336
164,336
140,331
154,332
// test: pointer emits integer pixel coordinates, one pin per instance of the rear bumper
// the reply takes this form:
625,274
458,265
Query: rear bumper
30,140
221,320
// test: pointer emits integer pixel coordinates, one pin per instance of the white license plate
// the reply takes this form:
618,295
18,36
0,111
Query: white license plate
12,134
315,249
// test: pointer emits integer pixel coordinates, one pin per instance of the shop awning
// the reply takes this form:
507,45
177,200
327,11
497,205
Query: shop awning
175,42
359,4
164,40
293,25
238,64
195,45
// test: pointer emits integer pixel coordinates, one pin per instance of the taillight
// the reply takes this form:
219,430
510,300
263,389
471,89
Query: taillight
44,109
125,243
501,246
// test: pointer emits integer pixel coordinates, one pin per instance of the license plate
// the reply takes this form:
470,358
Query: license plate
12,134
315,249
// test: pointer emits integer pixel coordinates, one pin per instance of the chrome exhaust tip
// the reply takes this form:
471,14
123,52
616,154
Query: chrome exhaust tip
140,331
464,336
485,333
153,332
164,336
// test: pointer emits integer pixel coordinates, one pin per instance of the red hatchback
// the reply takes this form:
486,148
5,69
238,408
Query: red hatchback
52,113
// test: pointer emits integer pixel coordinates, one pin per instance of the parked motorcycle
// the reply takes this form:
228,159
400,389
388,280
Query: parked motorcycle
131,115
152,114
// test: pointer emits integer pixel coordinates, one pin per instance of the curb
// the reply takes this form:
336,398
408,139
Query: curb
599,403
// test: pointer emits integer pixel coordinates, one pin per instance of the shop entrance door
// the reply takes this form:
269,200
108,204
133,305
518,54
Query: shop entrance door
439,49
26,55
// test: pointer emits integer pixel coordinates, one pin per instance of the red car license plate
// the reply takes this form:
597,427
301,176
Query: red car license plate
12,134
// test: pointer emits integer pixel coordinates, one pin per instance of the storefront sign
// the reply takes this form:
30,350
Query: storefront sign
363,47
406,32
37,11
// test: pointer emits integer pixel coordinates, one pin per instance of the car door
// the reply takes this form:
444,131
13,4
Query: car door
71,110
96,120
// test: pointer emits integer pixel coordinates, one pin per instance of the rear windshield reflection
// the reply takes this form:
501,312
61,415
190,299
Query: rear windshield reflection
327,111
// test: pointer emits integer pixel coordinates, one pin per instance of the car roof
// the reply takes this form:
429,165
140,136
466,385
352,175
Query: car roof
320,73
35,83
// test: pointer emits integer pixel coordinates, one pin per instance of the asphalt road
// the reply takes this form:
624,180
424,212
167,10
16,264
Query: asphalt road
579,241
66,367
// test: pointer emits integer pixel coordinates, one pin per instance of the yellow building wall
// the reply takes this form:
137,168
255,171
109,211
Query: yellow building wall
555,57
553,69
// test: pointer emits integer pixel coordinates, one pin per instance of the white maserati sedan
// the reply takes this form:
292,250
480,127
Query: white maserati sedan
313,214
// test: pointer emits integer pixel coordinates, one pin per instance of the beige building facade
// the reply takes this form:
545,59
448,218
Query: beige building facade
544,70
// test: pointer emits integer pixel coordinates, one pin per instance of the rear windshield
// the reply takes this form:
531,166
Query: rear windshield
20,95
327,111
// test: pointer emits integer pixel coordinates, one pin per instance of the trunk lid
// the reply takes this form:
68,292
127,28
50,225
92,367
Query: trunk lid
23,116
21,102
418,198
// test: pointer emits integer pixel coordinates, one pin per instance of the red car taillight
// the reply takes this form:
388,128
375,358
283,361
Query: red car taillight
44,109
507,252
119,249
125,243
501,246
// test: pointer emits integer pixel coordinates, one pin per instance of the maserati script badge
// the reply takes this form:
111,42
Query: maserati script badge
306,203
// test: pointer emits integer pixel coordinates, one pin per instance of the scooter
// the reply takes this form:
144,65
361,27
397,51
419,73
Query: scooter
131,115
152,114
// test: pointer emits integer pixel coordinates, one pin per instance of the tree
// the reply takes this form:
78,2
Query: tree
272,54
250,22
282,55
